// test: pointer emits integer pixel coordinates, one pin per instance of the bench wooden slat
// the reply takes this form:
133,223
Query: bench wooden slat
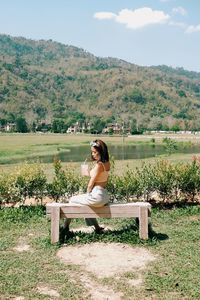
98,215
123,208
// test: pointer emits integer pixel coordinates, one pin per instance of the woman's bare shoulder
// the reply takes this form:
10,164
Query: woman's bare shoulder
104,166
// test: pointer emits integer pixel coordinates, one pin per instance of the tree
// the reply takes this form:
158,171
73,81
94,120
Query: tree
135,96
3,122
97,125
170,145
21,125
58,126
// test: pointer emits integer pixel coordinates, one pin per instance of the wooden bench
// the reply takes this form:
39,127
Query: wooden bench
139,210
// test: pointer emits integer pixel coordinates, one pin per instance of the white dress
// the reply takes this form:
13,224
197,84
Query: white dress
98,197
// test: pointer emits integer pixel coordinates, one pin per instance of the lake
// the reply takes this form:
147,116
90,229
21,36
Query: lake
119,152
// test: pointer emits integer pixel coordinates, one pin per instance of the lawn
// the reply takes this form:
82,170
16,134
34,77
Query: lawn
28,260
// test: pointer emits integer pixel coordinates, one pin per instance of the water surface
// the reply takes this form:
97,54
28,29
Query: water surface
119,152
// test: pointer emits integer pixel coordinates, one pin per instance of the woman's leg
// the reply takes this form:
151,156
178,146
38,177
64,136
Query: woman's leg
64,229
88,199
67,221
93,222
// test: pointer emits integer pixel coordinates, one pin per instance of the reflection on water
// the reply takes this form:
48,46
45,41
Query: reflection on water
80,153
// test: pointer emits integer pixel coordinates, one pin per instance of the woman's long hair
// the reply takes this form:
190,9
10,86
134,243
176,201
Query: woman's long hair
102,149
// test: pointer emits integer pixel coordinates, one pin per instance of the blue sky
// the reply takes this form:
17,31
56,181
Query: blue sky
151,32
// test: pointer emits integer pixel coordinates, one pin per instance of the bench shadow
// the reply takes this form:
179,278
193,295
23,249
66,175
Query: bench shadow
158,235
124,234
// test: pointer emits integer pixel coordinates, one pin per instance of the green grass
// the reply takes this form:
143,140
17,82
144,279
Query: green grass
175,240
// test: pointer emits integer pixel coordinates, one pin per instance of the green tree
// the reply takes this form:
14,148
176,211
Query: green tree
97,125
135,96
58,126
170,145
21,125
135,128
3,122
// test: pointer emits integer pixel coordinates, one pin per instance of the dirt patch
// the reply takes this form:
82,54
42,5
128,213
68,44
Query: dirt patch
106,260
135,282
45,290
194,218
98,291
94,290
102,260
22,246
28,202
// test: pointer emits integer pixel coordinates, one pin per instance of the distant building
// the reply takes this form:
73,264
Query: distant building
9,127
78,128
113,127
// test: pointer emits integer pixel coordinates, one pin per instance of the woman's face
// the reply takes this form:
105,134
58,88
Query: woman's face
95,154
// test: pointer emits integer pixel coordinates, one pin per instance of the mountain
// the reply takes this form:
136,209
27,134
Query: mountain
45,80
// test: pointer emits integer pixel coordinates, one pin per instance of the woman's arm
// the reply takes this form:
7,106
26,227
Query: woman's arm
91,183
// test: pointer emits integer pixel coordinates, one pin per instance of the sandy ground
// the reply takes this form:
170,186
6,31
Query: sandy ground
106,260
100,261
97,262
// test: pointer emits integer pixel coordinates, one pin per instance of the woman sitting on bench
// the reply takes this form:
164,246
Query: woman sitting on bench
96,195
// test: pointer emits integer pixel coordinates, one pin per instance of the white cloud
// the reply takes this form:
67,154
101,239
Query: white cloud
137,18
177,24
179,10
104,15
191,28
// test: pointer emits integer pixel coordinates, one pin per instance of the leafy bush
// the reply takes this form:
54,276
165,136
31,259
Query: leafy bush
27,180
65,183
31,181
169,181
9,190
170,145
164,179
190,180
146,177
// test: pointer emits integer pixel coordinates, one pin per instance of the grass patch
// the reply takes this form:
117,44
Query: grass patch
175,240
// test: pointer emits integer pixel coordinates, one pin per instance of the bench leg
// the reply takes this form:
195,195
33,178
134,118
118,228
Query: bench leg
143,222
55,221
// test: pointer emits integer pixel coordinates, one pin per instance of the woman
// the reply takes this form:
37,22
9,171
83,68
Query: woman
96,195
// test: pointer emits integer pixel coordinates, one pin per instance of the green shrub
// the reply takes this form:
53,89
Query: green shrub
31,181
165,179
146,179
170,145
126,187
170,182
26,180
65,183
190,180
9,190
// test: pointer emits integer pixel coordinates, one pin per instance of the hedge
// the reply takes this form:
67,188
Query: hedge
161,180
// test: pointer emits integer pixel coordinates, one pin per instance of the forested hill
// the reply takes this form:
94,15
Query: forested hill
45,80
